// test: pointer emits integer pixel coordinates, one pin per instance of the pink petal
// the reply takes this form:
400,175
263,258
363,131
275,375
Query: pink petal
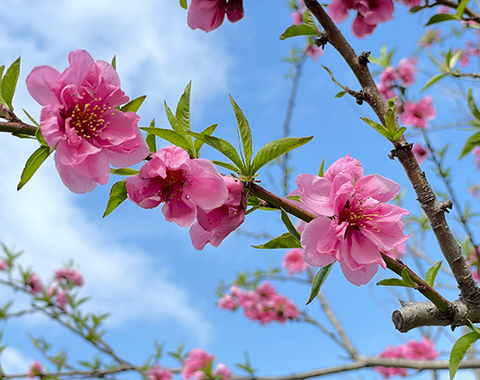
313,232
377,187
41,83
360,276
108,73
363,251
315,193
181,211
345,164
199,236
75,182
80,63
205,15
52,123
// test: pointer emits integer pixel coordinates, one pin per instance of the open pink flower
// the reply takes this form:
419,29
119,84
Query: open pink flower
222,371
70,275
406,71
79,119
213,226
423,350
35,369
34,283
354,222
208,15
156,372
184,184
417,114
197,360
293,261
420,152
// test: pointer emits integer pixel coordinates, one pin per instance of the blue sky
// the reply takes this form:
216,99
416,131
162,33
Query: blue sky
143,269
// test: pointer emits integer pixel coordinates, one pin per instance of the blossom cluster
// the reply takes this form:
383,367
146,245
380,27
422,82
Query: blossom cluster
262,304
198,366
413,350
354,221
402,76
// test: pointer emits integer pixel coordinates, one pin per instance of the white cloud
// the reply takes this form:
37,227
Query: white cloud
13,361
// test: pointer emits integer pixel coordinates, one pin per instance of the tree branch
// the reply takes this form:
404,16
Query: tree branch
17,127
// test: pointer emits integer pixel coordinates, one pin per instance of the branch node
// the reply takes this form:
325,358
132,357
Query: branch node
446,205
322,40
363,58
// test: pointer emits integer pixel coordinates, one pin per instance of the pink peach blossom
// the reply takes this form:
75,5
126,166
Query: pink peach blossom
227,302
354,221
406,71
156,372
208,15
35,369
417,114
423,350
184,184
213,226
297,17
293,261
62,299
80,120
34,283
388,76
313,52
420,152
222,371
398,252
412,3
70,275
198,360
3,265
392,352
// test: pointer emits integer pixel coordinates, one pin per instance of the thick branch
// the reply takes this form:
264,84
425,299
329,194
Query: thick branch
17,127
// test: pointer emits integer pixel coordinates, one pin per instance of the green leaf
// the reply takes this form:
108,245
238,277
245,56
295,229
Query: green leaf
133,105
223,147
322,168
406,277
471,143
461,8
124,171
318,281
114,62
455,58
459,349
340,94
275,149
183,108
288,223
199,143
331,76
308,19
398,133
390,121
378,127
33,163
415,9
472,326
283,241
150,139
298,30
2,68
9,82
118,194
441,17
226,165
295,198
172,137
432,273
394,282
433,80
183,4
174,123
39,137
472,106
31,118
245,131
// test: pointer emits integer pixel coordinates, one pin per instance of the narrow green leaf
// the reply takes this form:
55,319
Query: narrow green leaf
31,118
308,19
151,139
114,62
245,132
39,137
183,4
440,17
394,282
340,94
333,79
226,165
400,132
9,82
455,59
459,350
183,108
391,103
472,142
295,198
433,80
378,127
298,30
33,163
472,106
275,149
322,168
406,277
2,68
472,326
133,105
318,281
208,132
124,171
118,194
174,123
432,273
390,121
172,137
288,223
283,241
461,8
223,147
415,9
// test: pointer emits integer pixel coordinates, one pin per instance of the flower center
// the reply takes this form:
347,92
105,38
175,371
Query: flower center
359,215
87,118
174,182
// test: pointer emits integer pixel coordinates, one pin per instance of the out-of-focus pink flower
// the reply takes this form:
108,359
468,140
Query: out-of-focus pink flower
35,369
354,222
398,252
70,275
34,283
474,190
62,299
227,302
443,9
293,261
476,155
313,52
411,3
213,226
297,17
392,352
197,360
159,373
420,152
386,91
417,114
406,71
223,371
208,15
3,265
429,38
184,184
369,14
423,350
388,76
79,118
